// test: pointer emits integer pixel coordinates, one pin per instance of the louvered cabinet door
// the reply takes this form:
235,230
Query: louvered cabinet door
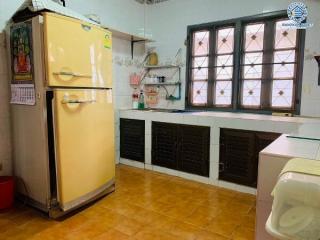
194,144
237,156
132,136
164,145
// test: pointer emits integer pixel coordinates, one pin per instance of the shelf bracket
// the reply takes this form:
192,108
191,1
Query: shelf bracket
174,98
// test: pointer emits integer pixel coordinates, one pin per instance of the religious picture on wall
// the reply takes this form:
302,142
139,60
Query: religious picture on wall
21,53
22,83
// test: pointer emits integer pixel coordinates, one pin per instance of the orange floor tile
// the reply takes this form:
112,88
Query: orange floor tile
146,205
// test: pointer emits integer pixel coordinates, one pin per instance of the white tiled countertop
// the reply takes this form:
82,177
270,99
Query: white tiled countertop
293,147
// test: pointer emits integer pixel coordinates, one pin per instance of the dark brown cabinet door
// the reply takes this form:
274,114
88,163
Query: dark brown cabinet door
236,156
165,145
194,144
239,154
132,137
181,147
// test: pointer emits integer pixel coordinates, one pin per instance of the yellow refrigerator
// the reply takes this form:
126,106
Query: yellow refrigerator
64,144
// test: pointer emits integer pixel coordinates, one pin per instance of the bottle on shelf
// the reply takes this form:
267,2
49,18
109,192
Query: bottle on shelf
141,100
135,98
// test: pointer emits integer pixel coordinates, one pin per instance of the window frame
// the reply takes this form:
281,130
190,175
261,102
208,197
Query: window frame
236,100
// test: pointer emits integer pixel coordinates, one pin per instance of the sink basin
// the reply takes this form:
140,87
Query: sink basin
167,110
183,111
155,110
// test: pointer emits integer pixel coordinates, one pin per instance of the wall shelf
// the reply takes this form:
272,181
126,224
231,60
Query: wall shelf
169,97
129,37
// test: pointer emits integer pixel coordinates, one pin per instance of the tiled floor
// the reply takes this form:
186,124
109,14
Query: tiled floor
146,205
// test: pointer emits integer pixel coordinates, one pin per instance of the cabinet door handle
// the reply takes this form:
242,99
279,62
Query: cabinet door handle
221,167
71,74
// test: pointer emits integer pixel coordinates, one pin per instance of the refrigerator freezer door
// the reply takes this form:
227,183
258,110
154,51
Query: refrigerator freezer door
84,135
77,54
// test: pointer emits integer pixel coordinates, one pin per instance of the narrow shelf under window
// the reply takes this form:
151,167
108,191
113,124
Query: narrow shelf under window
161,66
163,84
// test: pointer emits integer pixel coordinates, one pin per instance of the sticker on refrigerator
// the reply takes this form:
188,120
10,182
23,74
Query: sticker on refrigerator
21,53
107,43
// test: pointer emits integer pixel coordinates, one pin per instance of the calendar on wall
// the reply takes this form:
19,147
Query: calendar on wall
23,94
22,82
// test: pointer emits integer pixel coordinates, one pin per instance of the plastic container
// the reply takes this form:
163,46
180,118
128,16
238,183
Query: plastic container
6,192
135,79
153,59
135,99
296,207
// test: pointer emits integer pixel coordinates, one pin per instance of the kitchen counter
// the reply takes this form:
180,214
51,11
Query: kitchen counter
223,114
227,115
217,120
293,147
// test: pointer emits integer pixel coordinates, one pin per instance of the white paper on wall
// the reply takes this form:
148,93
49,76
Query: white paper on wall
23,94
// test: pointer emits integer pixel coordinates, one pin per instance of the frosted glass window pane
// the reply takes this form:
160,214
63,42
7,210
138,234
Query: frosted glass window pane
225,60
283,70
224,73
284,56
200,62
252,71
225,40
223,92
199,95
254,34
253,58
251,93
286,37
200,73
201,43
282,93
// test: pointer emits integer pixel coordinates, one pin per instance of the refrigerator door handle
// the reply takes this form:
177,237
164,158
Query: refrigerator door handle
71,74
77,101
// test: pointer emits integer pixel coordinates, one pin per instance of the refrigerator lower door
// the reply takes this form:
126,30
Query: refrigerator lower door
84,137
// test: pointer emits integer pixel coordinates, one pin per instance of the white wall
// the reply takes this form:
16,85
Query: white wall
5,141
169,21
125,15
